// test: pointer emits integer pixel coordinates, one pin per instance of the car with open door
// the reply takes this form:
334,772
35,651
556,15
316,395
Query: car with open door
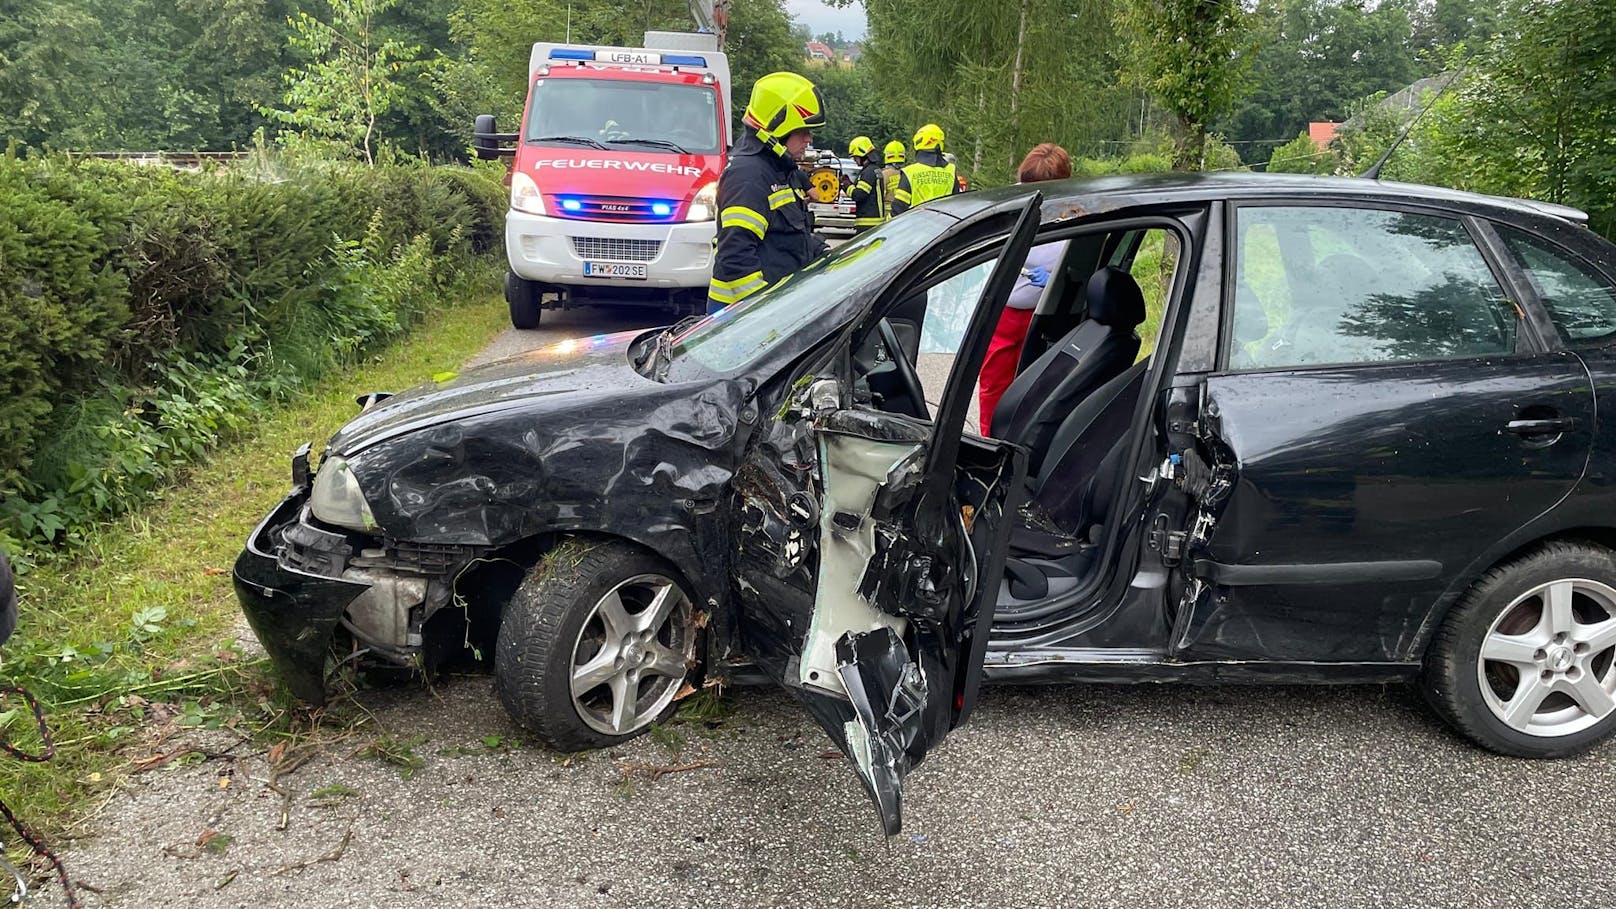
1262,428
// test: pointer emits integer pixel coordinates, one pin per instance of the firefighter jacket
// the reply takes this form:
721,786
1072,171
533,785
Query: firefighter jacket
765,231
930,177
869,198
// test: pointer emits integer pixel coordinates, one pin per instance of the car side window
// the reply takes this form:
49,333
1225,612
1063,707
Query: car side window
1580,301
1318,285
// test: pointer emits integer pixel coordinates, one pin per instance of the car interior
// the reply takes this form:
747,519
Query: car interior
1080,374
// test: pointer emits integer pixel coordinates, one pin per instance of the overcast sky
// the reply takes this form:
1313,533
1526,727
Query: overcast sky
821,18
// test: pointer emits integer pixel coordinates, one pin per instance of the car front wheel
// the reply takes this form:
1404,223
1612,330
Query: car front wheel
1523,665
594,645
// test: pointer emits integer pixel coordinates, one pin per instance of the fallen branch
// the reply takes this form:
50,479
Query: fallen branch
331,856
653,772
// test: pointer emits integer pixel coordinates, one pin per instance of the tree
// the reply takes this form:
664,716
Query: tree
351,78
758,42
1315,59
1301,156
1193,56
999,84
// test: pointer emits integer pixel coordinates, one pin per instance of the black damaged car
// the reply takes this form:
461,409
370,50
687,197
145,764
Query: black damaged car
1360,440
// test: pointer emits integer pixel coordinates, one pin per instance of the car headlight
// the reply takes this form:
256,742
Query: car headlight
703,206
336,498
525,195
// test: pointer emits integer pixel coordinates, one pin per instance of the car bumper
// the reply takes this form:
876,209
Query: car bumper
292,610
553,250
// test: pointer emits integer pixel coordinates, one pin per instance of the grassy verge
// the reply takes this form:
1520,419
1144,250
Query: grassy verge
134,636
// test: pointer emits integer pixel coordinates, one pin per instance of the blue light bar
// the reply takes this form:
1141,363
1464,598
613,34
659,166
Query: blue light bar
571,205
661,209
569,53
683,60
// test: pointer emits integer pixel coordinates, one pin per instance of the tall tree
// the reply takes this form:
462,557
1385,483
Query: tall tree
1193,56
352,76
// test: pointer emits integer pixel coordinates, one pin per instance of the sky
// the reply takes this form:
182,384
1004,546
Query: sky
821,18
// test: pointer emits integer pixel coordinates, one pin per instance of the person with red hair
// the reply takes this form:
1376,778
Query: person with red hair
1047,161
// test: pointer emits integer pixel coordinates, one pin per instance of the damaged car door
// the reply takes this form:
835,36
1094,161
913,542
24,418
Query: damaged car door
1397,422
871,543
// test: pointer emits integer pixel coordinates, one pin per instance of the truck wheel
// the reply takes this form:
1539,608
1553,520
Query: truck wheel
524,297
594,645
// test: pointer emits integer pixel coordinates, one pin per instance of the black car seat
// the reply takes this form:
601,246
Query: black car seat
1092,354
1057,539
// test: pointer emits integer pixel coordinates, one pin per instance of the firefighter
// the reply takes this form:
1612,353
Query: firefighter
930,177
765,231
869,196
893,155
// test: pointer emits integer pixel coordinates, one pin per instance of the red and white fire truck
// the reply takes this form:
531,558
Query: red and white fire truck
614,174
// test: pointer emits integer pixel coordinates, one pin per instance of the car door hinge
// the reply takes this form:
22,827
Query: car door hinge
1169,543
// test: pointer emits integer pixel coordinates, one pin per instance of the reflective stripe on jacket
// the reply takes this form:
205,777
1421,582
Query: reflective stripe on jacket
765,231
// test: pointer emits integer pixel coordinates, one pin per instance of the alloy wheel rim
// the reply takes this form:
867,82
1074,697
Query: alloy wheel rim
1546,663
632,654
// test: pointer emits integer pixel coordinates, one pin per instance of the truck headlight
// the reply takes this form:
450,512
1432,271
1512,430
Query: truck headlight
336,498
525,195
703,206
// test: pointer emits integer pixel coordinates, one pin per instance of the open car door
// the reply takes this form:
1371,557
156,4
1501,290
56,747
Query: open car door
871,543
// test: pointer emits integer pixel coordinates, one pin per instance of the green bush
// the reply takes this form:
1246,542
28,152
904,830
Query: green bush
146,313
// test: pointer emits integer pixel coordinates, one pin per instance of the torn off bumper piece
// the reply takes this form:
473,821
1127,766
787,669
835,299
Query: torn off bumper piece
292,611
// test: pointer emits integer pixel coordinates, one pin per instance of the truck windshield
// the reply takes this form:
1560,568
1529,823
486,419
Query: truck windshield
650,117
800,311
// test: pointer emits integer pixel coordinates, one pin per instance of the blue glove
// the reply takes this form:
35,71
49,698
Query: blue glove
1037,276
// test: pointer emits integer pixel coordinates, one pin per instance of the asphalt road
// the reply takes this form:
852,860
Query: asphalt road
1075,795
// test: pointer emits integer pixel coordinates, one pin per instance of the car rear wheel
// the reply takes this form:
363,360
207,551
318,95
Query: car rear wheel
525,298
1524,664
595,645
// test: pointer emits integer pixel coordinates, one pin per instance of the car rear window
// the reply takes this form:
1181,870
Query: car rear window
1337,285
1580,300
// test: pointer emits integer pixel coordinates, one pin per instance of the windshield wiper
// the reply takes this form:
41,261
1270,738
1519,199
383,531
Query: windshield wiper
580,140
660,143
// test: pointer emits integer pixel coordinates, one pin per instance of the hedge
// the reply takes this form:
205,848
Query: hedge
145,312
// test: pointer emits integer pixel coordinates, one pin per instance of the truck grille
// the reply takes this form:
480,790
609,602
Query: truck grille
616,249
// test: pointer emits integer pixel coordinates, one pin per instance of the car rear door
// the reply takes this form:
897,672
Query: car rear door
870,544
1387,422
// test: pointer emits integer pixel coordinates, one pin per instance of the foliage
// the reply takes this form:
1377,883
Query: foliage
1193,55
999,83
146,314
349,78
1301,156
1316,59
130,633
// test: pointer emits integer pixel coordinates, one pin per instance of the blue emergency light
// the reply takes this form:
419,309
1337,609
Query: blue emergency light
569,53
683,60
661,209
571,205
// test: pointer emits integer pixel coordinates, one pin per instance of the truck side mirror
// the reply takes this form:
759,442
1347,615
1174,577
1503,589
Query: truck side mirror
487,143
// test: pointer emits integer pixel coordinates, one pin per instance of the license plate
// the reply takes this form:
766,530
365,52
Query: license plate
634,271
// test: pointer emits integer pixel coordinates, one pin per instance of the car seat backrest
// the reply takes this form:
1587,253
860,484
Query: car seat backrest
1093,353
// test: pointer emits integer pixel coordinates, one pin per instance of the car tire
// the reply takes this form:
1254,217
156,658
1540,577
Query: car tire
566,658
526,300
1523,664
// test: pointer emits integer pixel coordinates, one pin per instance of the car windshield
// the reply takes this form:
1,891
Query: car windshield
649,117
742,334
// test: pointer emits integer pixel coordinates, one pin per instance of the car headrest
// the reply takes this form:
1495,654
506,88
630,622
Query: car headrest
1115,298
1343,270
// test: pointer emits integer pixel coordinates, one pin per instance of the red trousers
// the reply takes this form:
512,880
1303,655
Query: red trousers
999,368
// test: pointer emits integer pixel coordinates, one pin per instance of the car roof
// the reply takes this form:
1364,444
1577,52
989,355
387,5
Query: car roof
1079,197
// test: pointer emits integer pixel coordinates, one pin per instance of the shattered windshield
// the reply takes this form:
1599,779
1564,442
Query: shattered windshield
740,335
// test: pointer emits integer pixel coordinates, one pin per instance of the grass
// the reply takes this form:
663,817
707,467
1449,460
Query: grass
135,632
